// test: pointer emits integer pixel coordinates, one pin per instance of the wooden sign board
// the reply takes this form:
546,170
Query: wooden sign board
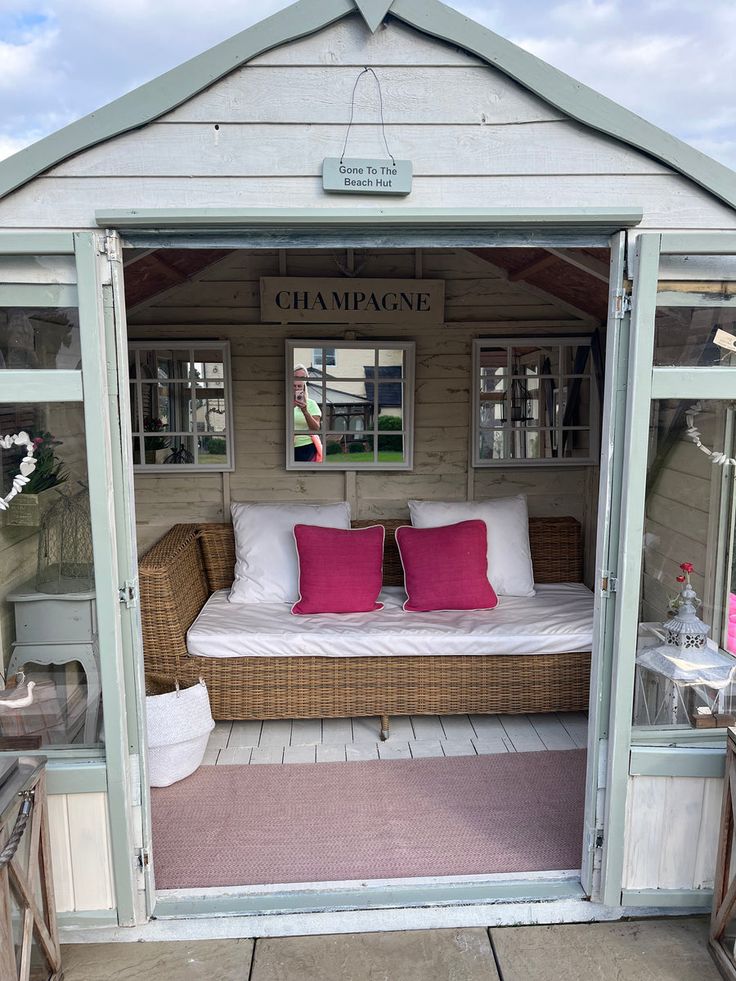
359,175
299,300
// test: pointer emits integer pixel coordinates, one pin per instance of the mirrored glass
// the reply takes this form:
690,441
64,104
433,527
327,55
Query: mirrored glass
695,336
211,450
47,583
42,338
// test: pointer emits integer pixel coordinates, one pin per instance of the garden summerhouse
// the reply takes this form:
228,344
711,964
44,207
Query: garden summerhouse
363,254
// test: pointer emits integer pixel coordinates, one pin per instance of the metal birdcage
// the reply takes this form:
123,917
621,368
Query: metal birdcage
65,563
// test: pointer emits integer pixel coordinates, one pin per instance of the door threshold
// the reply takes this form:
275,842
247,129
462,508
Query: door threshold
319,897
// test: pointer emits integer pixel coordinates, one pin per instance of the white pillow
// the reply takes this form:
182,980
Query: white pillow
510,569
266,560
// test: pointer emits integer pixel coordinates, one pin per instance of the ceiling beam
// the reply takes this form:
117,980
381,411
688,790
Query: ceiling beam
534,267
581,260
587,318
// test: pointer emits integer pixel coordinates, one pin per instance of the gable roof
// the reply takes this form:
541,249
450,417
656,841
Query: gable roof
431,17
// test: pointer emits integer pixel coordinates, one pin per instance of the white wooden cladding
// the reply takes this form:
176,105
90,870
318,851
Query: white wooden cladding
224,302
257,138
80,849
671,832
669,201
297,150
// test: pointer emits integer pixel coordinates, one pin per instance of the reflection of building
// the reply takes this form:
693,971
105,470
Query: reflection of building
342,411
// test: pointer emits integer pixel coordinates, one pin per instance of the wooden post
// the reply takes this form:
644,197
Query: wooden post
724,889
37,914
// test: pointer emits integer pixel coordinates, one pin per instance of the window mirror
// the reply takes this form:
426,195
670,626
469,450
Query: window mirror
536,401
349,405
181,405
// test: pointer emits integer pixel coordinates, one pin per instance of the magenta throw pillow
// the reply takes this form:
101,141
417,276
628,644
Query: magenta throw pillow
340,571
446,568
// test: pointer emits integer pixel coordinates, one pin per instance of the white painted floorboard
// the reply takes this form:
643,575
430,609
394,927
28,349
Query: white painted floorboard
416,737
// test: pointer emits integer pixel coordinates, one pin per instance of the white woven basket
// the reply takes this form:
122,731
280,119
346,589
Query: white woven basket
179,725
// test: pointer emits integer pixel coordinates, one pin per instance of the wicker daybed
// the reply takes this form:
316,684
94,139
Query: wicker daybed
192,561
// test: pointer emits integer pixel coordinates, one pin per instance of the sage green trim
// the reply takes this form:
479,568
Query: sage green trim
351,218
677,761
708,243
36,243
98,432
86,919
170,90
81,777
609,516
668,898
677,736
629,561
21,385
565,93
674,298
373,11
38,295
368,897
694,383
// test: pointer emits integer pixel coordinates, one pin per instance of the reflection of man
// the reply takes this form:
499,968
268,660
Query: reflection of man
307,420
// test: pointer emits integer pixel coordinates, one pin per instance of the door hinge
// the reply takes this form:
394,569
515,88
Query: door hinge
135,780
112,247
128,593
622,303
144,859
609,584
595,839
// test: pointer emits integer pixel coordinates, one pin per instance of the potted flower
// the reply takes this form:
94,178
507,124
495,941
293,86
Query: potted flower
49,472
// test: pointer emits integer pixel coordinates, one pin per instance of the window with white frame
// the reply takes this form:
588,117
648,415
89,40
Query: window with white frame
181,405
323,357
535,401
355,413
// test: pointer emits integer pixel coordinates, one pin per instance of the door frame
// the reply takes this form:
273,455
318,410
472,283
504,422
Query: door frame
377,228
74,770
646,382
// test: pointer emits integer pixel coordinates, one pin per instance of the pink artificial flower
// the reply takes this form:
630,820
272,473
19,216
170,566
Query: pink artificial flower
687,567
681,578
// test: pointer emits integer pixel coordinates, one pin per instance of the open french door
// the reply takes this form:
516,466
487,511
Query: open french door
693,275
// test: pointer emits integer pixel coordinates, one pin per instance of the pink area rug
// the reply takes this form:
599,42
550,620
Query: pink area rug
378,819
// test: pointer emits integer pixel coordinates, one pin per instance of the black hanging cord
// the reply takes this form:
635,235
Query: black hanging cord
352,113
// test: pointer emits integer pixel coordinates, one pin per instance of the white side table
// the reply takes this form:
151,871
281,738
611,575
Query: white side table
59,628
703,671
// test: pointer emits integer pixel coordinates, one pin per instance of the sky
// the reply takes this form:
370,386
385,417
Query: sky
671,61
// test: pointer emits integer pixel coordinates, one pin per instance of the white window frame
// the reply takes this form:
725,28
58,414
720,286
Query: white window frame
228,434
407,380
322,365
594,416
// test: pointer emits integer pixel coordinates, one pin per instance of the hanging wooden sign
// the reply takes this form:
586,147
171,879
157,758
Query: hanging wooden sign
289,300
357,175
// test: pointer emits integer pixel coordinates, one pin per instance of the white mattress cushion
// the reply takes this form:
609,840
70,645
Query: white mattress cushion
558,619
510,569
266,561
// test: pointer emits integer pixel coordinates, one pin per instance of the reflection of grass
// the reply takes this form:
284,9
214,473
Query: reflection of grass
212,458
384,456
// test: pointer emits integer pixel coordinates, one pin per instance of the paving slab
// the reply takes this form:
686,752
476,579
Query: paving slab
672,949
424,955
205,960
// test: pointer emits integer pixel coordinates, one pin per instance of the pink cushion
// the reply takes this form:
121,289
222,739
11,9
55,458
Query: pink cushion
446,568
340,571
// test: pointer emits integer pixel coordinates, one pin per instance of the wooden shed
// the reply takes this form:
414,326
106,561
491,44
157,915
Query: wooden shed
368,253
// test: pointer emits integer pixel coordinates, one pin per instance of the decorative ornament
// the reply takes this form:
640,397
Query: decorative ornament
685,630
27,465
694,433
